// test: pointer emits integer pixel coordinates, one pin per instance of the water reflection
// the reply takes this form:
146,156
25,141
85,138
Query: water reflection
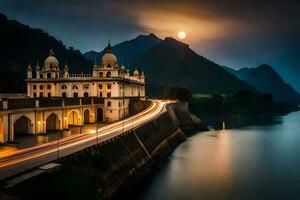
236,121
254,162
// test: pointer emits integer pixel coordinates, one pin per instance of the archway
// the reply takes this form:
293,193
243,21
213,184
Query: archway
99,115
52,123
73,118
23,126
86,116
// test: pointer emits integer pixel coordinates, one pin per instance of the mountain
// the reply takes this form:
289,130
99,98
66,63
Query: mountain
127,49
169,62
21,45
267,80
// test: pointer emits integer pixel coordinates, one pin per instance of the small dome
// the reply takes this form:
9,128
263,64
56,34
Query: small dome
51,63
123,68
136,72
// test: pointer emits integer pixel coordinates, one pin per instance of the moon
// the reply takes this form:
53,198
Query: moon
181,34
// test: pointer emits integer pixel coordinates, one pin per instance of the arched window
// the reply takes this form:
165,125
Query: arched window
86,94
100,86
64,95
108,74
108,94
109,86
49,94
64,87
100,94
49,87
108,66
86,86
109,104
75,87
75,94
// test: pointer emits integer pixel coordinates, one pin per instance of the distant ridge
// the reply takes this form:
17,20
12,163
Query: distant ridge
21,45
170,62
267,80
127,49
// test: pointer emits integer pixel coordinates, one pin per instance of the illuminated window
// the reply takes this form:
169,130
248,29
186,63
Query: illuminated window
86,86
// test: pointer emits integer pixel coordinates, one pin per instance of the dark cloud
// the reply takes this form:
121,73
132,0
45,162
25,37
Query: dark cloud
231,32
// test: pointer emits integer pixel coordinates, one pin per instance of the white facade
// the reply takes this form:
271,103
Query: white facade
110,81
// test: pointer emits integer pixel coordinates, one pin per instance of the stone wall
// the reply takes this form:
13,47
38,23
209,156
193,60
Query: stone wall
111,168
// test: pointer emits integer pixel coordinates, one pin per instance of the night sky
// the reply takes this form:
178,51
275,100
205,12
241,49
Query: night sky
236,33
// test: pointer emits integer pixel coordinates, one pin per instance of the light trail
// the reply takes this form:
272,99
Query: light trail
32,157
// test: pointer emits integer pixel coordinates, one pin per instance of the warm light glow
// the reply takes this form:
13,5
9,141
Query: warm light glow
181,34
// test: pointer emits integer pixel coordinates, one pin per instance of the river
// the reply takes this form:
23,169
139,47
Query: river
253,162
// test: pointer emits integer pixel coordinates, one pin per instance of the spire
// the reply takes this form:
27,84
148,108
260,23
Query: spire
51,53
108,49
37,64
29,68
66,68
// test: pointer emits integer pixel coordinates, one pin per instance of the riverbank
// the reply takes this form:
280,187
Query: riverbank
112,168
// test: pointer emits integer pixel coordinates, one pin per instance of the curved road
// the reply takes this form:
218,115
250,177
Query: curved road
25,159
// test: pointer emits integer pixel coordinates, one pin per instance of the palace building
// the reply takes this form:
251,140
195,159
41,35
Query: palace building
56,98
109,80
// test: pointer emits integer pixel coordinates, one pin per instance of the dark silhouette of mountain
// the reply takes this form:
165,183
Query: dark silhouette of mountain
21,45
127,49
267,80
172,63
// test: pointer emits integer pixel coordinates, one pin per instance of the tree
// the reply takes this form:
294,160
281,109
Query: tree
179,93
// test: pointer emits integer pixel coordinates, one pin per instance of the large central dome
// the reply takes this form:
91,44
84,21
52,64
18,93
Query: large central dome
51,63
109,57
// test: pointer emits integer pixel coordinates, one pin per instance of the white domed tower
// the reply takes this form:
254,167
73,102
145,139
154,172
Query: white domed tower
109,60
51,66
